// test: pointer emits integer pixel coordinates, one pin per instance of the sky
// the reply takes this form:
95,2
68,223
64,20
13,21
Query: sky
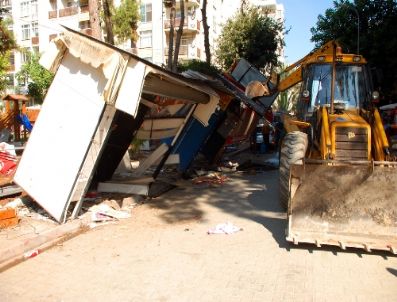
300,16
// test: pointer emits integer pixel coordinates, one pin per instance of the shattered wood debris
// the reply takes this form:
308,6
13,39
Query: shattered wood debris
8,217
212,178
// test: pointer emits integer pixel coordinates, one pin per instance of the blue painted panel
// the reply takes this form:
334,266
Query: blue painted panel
191,139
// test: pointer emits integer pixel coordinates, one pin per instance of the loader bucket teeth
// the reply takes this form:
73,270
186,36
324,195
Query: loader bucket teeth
346,206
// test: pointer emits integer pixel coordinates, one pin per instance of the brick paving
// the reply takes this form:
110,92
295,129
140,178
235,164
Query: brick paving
163,253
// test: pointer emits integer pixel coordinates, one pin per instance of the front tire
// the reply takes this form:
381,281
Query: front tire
292,152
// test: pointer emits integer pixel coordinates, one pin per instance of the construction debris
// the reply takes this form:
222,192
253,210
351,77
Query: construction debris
8,218
212,178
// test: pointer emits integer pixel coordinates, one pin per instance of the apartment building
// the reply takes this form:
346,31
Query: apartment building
154,26
37,22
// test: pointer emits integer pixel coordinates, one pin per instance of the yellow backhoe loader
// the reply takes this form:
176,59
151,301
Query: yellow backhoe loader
338,181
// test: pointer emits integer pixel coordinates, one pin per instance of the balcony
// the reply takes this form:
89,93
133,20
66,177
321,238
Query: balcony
35,40
189,24
53,14
186,52
69,11
194,2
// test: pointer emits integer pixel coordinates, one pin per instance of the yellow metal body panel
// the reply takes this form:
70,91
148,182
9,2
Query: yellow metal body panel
349,119
293,74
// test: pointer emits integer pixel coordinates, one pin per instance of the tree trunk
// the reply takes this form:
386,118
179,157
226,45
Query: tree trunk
108,23
206,33
171,36
243,6
94,18
134,37
179,36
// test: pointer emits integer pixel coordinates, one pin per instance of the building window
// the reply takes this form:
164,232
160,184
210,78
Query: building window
25,31
34,7
184,41
35,29
25,9
25,55
12,59
145,39
10,80
5,3
146,12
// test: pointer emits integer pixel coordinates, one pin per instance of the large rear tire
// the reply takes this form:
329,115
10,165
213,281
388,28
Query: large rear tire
293,150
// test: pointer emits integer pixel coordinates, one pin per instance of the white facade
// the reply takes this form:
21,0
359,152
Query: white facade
36,22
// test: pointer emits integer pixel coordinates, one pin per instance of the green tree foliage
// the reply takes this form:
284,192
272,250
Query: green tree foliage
200,66
7,44
125,21
4,65
377,39
38,77
250,35
7,41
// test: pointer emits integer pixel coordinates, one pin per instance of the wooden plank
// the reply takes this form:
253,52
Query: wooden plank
132,181
173,159
10,190
130,89
9,222
125,164
110,187
7,213
155,134
203,112
91,160
161,124
153,157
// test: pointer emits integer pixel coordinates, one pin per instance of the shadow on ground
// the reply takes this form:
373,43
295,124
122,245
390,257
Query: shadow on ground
392,271
252,195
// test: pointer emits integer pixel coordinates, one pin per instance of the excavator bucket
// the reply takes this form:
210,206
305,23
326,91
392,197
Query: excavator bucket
344,205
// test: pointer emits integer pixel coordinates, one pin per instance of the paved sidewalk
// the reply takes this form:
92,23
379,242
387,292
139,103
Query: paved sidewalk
163,253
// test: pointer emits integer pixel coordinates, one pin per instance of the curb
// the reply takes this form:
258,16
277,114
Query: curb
16,253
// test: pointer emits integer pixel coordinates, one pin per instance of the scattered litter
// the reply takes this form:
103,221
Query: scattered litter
16,203
8,159
212,178
224,228
31,254
228,166
104,212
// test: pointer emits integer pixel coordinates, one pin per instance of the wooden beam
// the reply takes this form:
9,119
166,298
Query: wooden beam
113,187
160,86
153,157
156,134
161,123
